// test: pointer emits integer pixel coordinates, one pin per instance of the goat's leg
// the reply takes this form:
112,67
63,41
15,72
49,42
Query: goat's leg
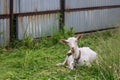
61,64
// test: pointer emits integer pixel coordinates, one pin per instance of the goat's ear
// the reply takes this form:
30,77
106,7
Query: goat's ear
79,37
63,41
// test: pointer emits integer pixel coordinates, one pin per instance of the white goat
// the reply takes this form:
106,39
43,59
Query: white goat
82,56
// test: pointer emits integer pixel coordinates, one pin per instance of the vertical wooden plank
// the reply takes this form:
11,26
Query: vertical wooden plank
62,14
11,20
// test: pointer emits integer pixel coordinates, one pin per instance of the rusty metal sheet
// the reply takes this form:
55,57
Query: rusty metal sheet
38,5
89,3
4,6
37,25
92,20
4,32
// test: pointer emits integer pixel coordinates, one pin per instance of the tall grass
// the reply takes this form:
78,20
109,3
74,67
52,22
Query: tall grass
36,60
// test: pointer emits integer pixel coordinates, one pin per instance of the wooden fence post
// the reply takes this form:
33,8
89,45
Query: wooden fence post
11,20
62,14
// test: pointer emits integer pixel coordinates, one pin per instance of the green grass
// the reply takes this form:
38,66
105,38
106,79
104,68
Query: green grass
36,61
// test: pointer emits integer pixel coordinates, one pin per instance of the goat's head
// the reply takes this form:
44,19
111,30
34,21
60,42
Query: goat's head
72,42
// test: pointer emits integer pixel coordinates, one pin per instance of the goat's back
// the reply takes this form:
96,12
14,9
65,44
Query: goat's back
87,55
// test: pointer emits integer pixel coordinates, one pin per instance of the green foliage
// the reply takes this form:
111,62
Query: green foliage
62,34
29,42
1,51
36,60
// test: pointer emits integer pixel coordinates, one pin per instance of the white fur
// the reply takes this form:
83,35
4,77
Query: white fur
87,55
69,61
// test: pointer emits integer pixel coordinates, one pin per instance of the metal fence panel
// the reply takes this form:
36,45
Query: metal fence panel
38,5
16,6
89,3
4,6
37,25
92,20
47,24
4,32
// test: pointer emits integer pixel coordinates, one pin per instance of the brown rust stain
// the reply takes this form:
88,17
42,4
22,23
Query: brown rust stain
48,16
67,14
42,17
29,19
21,22
21,19
36,18
7,31
5,7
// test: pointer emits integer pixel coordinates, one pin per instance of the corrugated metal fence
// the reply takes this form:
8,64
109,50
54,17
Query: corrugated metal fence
4,22
40,17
